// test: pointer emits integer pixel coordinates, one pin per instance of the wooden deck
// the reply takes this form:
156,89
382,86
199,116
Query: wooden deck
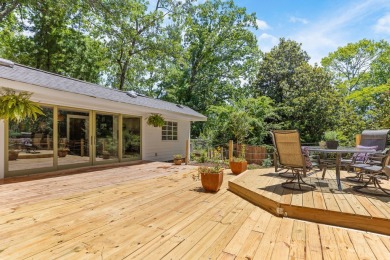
325,204
154,211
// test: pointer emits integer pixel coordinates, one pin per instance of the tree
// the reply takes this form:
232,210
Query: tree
218,56
303,94
135,35
276,70
312,105
362,71
246,120
351,62
48,35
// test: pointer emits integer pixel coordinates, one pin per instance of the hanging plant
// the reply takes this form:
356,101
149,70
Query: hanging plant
156,120
17,106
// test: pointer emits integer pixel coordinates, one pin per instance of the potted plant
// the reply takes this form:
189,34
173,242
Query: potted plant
240,126
62,149
13,155
106,155
322,144
211,177
156,120
239,164
177,159
12,152
331,139
17,106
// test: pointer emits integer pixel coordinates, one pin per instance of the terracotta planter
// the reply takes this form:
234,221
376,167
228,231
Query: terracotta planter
238,167
332,144
178,161
62,153
13,155
212,181
106,156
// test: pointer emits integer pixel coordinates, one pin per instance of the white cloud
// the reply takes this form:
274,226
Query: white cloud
267,41
262,24
294,19
383,24
335,29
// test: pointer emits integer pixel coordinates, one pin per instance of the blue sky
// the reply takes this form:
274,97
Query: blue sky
320,25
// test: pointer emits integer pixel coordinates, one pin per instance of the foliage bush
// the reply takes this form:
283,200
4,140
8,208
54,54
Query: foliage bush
267,162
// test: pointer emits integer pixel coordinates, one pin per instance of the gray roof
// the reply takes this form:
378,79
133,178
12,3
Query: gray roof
45,79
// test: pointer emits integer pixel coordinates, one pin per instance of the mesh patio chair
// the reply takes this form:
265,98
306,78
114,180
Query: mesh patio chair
376,174
374,139
278,166
372,160
288,147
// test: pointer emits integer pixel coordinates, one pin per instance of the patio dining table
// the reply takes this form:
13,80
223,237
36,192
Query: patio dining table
339,151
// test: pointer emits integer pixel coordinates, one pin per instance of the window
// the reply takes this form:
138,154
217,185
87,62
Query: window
169,131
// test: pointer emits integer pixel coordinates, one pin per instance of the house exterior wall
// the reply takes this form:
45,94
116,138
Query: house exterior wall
152,143
2,150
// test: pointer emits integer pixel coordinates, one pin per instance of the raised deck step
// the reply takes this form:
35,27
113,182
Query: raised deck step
324,205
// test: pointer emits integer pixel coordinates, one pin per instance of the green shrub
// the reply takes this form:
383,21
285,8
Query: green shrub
267,162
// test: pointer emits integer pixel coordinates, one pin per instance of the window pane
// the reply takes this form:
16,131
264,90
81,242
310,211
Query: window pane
31,142
169,131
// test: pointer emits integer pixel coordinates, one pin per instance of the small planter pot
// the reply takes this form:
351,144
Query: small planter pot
62,153
212,181
238,167
106,156
13,155
177,161
332,144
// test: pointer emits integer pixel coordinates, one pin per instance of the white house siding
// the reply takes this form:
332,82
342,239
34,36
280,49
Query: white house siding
2,148
152,143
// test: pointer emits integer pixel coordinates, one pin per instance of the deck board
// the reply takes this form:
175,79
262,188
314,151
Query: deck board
156,210
325,204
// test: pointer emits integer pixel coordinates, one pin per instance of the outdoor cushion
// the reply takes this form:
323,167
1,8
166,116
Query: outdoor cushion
361,157
305,152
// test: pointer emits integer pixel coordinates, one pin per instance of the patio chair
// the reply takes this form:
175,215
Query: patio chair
371,139
375,174
277,164
288,147
375,159
279,167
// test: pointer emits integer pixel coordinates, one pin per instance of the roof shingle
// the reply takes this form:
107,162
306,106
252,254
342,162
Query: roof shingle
45,79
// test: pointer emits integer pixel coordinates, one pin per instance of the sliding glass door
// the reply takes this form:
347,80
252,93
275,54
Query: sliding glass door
73,137
30,143
68,138
131,138
106,145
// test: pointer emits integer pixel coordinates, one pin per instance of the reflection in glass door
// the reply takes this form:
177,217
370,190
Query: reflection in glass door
131,137
73,137
106,138
30,143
